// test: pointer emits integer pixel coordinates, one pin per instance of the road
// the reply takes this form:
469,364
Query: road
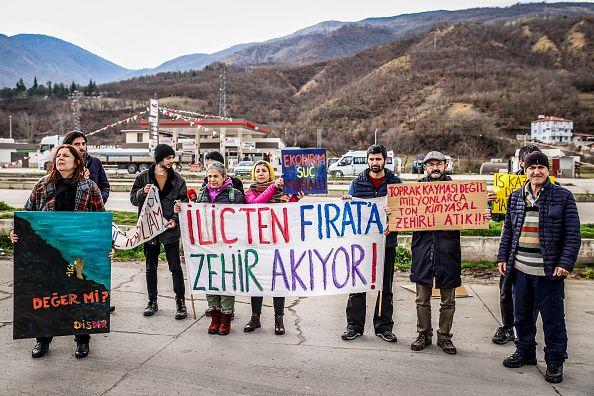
121,201
160,355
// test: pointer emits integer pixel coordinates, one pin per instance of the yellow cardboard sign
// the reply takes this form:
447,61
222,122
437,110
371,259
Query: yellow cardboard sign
504,184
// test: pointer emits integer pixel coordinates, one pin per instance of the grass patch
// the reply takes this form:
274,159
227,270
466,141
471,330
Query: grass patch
5,244
124,218
136,254
589,273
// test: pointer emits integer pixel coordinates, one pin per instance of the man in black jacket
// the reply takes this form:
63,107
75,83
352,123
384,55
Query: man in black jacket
539,247
435,255
373,183
171,187
93,167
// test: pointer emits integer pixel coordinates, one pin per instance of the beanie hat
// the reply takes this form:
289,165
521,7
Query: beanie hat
536,158
162,151
268,165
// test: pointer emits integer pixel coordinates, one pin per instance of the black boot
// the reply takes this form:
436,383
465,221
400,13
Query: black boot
151,308
253,324
39,349
82,350
554,373
182,311
516,360
279,326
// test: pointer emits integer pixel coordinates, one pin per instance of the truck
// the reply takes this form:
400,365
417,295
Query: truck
354,162
133,160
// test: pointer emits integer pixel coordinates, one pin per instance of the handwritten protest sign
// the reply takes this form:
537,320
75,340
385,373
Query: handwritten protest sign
448,205
305,170
150,224
62,273
503,185
296,249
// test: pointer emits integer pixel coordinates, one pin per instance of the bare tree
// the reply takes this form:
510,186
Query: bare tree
28,124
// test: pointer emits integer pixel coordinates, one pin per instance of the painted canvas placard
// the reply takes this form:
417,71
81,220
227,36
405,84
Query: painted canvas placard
62,273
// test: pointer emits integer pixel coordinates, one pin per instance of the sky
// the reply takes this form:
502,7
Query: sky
139,34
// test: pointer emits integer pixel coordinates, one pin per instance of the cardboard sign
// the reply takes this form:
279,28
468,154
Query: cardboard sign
62,273
305,170
295,249
150,224
504,184
448,205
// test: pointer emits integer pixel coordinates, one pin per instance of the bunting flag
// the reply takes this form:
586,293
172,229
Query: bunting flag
109,126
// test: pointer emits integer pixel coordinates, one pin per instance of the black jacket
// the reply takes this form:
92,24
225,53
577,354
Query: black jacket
97,174
174,189
436,254
362,188
558,223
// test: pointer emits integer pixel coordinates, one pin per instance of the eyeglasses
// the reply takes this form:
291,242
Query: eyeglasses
433,164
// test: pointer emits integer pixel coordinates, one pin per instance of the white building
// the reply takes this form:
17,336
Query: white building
551,130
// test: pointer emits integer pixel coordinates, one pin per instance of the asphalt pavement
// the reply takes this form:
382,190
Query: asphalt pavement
159,355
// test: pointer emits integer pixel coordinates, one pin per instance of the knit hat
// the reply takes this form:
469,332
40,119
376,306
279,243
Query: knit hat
162,151
536,158
268,165
191,192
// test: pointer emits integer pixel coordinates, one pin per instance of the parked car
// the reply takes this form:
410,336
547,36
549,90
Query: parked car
244,168
354,162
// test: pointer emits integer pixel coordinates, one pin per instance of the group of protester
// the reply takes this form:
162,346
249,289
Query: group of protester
539,246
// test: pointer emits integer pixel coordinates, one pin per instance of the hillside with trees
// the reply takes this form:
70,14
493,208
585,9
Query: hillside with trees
466,89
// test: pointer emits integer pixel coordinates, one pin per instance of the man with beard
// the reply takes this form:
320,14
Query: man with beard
93,166
171,187
435,255
373,183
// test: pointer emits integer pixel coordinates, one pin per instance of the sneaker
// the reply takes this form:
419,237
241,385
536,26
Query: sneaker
387,336
554,373
516,360
423,340
447,346
503,336
350,334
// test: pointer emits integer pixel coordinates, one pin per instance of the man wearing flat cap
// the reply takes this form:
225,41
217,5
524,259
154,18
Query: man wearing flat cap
539,246
171,187
436,255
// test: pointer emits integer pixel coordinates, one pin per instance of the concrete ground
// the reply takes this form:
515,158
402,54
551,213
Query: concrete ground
160,355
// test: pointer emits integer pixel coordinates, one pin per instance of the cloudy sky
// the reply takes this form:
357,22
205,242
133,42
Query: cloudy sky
137,34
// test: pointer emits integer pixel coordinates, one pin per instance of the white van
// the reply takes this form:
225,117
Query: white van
354,162
46,150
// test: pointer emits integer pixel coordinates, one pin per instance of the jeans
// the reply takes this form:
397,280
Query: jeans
151,253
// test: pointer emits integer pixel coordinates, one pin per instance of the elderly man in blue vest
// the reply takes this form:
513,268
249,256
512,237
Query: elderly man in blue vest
539,246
